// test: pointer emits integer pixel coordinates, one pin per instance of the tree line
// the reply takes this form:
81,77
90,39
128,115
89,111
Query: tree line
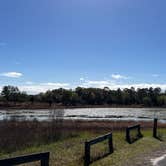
88,96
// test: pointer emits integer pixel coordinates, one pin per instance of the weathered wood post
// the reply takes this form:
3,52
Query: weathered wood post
139,131
110,142
45,160
155,128
128,135
87,154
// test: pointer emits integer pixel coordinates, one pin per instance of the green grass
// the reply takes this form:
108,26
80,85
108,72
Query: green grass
70,152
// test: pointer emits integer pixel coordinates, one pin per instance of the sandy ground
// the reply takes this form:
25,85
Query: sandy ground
159,161
157,158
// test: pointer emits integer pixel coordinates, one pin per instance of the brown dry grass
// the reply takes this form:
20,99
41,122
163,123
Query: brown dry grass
15,135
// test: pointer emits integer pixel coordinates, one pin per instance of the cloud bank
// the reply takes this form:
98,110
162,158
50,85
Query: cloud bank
114,83
12,74
32,88
43,87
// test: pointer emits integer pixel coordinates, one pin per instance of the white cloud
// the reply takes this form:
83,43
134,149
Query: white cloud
12,74
118,76
82,79
113,85
35,88
29,83
55,84
97,84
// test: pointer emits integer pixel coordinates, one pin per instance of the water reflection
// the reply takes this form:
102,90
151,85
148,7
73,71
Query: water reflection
56,114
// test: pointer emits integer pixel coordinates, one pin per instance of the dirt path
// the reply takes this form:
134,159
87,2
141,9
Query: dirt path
150,159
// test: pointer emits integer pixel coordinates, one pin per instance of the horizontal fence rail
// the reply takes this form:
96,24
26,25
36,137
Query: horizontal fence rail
137,128
42,157
88,144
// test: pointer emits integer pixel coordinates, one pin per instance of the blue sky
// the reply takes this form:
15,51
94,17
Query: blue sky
46,44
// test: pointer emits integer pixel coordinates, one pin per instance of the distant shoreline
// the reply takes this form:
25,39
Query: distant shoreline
56,106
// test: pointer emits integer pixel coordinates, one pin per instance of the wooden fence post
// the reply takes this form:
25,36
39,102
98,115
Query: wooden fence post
45,160
155,128
139,131
110,142
87,154
128,135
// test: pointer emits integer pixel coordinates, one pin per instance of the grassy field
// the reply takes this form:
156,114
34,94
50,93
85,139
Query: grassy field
70,151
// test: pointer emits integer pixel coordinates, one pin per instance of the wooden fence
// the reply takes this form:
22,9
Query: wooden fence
42,157
138,135
87,157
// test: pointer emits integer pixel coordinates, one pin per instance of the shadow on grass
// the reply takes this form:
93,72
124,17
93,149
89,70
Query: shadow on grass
159,138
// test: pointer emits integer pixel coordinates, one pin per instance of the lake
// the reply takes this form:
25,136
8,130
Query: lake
137,114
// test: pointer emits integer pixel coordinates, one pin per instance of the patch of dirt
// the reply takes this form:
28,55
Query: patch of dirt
145,159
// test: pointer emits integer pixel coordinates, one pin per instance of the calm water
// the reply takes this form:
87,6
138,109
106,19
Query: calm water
87,114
